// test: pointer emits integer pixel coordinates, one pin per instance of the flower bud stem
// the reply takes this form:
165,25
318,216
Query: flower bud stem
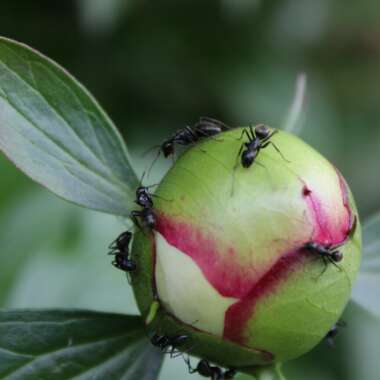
269,373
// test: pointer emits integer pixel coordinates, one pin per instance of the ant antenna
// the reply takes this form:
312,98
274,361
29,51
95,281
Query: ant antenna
154,161
150,186
142,178
150,149
146,187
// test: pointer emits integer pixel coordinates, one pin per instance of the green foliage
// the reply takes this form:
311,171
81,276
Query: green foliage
54,131
366,291
54,345
40,211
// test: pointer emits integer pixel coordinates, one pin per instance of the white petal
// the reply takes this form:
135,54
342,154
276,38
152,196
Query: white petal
185,292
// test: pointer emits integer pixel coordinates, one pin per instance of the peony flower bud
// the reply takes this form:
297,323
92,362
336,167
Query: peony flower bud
230,261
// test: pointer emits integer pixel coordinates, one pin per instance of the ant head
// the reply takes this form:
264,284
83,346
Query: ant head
141,190
167,148
262,132
337,256
157,339
333,332
204,368
143,198
129,265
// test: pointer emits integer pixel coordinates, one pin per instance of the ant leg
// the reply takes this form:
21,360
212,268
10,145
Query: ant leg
253,135
325,262
179,353
112,248
244,132
202,150
133,215
173,352
275,147
195,140
192,135
260,164
341,323
212,121
324,269
190,368
166,350
176,354
214,138
210,137
150,186
159,197
335,264
238,155
273,133
235,168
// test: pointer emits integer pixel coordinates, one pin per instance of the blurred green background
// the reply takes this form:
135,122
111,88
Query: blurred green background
156,66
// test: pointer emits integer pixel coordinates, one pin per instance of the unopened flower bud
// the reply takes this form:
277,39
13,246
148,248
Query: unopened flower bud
236,260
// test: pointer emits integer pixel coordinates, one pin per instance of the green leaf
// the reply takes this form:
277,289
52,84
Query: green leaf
366,292
55,132
80,345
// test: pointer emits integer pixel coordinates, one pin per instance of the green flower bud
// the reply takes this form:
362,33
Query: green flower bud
228,261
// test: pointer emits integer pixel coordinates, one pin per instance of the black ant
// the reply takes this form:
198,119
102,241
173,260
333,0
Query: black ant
258,138
205,369
334,331
169,344
330,253
144,199
204,128
120,248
